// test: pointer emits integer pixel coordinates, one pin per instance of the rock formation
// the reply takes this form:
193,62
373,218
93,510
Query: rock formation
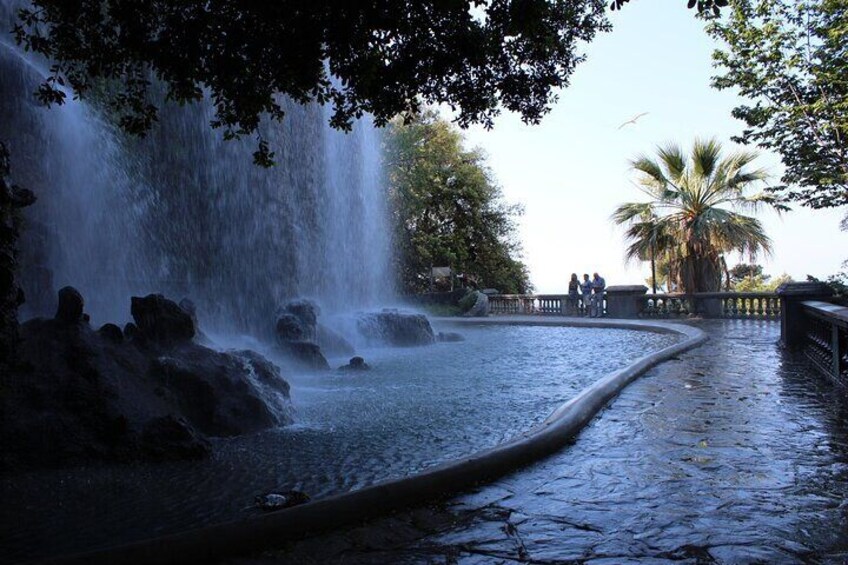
391,327
149,392
12,200
356,364
297,332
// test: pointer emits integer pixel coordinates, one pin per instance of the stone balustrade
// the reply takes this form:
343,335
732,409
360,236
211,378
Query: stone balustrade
540,304
634,302
826,338
733,305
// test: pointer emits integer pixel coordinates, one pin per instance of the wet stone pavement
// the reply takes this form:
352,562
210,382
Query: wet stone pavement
735,452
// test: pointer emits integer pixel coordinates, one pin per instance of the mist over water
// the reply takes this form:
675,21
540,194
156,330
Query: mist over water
187,214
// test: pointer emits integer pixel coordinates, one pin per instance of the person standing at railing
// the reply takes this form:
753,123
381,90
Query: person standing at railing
598,286
573,294
586,291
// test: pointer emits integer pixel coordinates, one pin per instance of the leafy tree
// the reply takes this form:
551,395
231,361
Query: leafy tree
706,8
688,206
790,59
446,209
761,283
385,58
743,271
745,277
838,283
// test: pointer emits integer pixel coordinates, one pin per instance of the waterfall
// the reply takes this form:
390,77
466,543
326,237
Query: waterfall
185,213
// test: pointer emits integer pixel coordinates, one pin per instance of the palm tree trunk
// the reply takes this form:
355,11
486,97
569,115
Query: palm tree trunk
726,274
653,268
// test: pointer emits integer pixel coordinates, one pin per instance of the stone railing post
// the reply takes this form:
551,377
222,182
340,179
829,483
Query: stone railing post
793,325
626,301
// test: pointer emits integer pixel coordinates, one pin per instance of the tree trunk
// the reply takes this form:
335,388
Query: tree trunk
12,199
653,268
701,273
726,274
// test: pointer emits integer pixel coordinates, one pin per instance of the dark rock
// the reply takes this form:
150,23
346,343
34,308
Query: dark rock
279,500
161,321
63,405
79,397
304,309
305,354
130,330
71,305
217,392
290,328
41,296
480,307
189,308
449,337
391,327
297,334
111,332
170,437
305,312
333,343
468,301
12,200
21,197
356,364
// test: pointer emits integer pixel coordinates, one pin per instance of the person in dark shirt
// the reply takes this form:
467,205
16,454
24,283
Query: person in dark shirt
598,286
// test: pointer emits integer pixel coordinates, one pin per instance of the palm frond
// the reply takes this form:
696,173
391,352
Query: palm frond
673,160
631,211
706,156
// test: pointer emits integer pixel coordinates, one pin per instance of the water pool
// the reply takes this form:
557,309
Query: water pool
417,407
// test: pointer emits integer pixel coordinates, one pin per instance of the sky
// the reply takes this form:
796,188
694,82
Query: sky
571,171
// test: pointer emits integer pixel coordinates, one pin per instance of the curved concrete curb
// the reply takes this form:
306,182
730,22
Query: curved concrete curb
213,543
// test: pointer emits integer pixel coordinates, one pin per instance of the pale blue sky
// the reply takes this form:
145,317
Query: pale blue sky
571,171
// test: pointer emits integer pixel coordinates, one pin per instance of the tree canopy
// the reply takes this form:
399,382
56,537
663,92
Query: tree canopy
745,277
790,59
447,211
383,57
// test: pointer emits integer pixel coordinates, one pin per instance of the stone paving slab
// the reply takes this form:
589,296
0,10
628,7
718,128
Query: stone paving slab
735,452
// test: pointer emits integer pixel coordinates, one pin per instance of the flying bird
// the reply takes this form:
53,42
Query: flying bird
633,119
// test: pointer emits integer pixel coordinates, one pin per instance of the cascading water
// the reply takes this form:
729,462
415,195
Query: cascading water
185,213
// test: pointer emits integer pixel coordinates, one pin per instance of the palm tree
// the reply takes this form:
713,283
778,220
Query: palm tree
693,213
648,236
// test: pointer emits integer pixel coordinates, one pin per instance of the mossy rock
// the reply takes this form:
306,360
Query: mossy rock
467,302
